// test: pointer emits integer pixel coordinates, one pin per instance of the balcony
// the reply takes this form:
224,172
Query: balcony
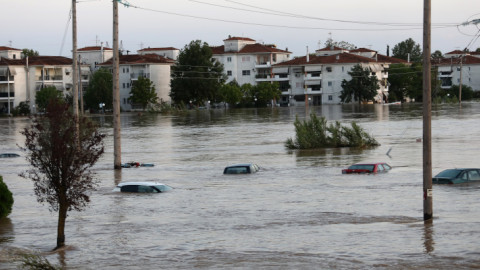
135,76
314,90
4,95
50,78
312,76
263,78
281,77
3,79
263,65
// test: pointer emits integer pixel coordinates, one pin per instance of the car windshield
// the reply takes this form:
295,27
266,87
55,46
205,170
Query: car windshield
453,173
236,170
362,167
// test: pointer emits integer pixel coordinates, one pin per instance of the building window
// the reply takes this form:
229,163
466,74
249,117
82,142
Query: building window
124,101
330,83
330,97
343,69
128,70
123,83
229,59
329,69
246,72
14,56
229,73
245,58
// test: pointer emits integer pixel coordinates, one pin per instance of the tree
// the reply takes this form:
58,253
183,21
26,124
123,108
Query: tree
196,77
340,44
100,90
231,93
61,161
6,199
408,47
143,92
45,95
264,92
361,87
437,55
29,53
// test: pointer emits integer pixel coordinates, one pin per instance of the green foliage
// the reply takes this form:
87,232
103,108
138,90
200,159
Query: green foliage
29,53
315,133
45,95
264,92
37,262
196,77
340,44
405,81
231,93
22,109
404,48
452,95
6,199
100,90
436,55
361,87
143,92
61,155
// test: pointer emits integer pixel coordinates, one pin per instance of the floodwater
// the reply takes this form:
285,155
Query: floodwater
298,212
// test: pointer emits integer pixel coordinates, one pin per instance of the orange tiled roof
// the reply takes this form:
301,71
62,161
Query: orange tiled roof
39,61
133,59
5,48
93,48
467,60
239,38
250,49
362,50
342,58
331,49
389,59
158,49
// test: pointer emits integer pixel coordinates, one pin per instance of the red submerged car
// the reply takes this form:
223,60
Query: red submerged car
381,167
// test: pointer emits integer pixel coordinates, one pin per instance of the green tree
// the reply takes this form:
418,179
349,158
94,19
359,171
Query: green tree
437,55
361,87
196,77
231,93
29,53
45,95
6,199
340,44
408,47
100,90
143,92
264,92
61,160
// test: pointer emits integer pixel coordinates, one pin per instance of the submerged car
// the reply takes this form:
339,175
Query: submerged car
142,187
241,168
8,155
457,176
364,168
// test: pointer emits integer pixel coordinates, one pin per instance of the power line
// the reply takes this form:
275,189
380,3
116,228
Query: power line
270,25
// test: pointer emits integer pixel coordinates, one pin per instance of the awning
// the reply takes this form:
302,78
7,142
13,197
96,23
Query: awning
315,82
375,67
13,71
313,68
277,70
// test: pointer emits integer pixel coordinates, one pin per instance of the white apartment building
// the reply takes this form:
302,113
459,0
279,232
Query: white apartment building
316,79
247,61
458,64
10,53
152,66
20,79
94,55
167,52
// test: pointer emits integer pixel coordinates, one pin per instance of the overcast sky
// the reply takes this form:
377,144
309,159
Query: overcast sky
45,26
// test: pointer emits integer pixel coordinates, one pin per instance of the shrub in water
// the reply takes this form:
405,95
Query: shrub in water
6,199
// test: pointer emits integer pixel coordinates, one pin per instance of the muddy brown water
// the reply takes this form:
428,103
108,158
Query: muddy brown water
298,212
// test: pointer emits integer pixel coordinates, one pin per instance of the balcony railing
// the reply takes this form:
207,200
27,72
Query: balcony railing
262,64
135,76
50,78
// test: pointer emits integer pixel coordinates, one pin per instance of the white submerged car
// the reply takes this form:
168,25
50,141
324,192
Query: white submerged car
142,187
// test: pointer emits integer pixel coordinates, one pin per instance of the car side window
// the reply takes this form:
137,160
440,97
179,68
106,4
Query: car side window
464,176
380,168
130,188
473,175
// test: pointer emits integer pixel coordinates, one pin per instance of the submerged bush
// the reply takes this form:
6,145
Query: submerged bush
6,199
315,133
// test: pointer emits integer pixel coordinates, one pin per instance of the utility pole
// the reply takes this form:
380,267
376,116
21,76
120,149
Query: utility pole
427,113
460,87
117,149
80,84
74,61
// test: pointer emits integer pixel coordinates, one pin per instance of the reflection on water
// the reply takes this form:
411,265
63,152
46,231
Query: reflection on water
297,212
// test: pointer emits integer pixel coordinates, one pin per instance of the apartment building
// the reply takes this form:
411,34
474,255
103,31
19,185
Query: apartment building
316,79
167,52
20,79
94,55
152,66
459,67
247,61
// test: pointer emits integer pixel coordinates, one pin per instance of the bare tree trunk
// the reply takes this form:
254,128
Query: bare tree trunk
62,216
